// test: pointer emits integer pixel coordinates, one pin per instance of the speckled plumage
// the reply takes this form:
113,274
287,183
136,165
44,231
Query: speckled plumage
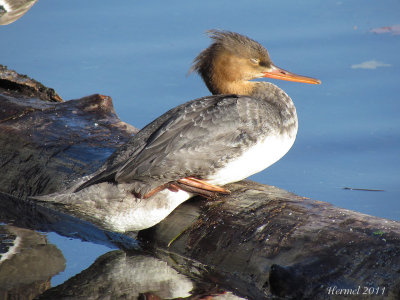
203,135
199,137
240,130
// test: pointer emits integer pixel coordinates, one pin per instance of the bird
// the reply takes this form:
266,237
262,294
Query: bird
12,10
198,147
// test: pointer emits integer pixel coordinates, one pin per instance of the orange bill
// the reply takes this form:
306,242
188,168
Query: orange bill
281,74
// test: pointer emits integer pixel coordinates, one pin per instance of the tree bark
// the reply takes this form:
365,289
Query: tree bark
46,144
266,242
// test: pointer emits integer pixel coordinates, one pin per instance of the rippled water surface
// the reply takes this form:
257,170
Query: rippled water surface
140,52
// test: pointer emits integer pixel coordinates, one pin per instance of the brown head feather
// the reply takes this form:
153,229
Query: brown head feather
226,42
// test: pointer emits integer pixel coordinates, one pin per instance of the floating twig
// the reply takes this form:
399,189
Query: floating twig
359,189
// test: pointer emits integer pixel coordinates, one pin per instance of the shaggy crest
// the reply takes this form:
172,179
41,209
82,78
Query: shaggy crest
231,42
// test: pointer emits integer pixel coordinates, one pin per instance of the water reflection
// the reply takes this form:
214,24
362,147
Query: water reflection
27,263
117,275
26,214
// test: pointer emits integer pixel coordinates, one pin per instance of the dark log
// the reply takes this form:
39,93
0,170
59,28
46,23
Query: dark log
285,245
266,242
28,273
44,144
23,87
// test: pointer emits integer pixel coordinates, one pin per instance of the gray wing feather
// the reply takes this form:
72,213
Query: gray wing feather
195,141
182,143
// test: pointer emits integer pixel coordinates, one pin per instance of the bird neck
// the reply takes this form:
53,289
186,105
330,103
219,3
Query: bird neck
273,94
257,89
240,87
277,98
225,74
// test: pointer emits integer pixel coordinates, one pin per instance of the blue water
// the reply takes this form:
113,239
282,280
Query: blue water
140,52
78,255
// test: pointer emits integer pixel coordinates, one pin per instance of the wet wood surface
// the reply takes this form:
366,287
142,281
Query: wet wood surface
262,240
46,144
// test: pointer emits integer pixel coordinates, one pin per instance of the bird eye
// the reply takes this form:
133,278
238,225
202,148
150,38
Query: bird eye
255,61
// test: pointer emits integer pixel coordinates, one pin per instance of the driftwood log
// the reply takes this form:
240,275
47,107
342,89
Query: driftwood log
263,241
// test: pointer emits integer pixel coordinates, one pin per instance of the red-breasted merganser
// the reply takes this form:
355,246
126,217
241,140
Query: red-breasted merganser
201,145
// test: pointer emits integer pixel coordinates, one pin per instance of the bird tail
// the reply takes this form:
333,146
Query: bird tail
99,178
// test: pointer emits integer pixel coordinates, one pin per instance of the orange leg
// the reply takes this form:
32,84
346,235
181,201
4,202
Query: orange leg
200,187
154,191
204,185
191,185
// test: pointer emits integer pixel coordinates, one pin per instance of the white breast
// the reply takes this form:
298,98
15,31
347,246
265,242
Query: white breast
150,211
253,160
145,213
